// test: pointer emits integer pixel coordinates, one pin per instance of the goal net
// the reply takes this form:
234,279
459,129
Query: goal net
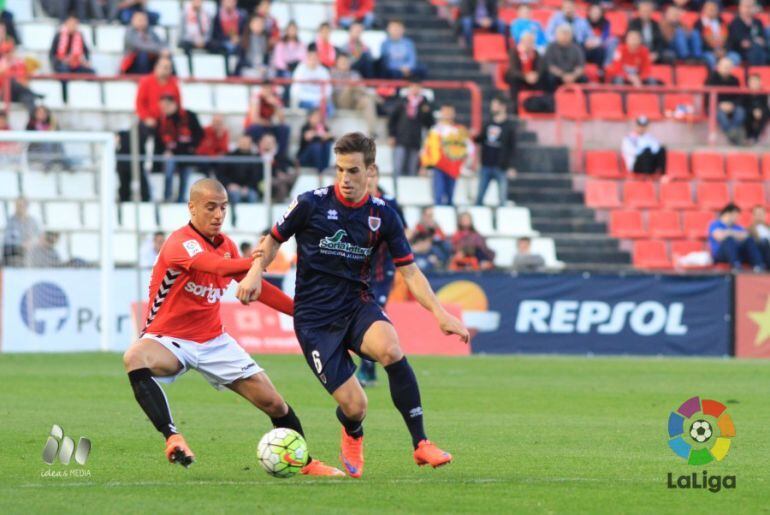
58,221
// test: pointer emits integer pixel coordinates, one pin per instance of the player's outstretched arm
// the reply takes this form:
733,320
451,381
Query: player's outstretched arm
250,287
420,288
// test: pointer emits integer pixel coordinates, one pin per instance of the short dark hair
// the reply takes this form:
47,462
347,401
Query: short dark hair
524,238
729,208
354,142
158,233
245,245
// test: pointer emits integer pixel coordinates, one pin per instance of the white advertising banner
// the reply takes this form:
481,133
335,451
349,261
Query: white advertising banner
58,310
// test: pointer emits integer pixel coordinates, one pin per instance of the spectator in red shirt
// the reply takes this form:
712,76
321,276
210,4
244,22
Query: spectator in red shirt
632,63
69,52
327,54
148,94
216,138
266,115
350,11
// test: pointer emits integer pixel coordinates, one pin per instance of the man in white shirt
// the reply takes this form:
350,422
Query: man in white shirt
642,152
308,95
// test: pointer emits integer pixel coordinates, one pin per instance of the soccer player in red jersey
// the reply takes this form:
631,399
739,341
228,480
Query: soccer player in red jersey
338,230
183,329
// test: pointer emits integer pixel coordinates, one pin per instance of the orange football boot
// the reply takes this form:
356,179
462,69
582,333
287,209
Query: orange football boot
319,468
352,454
428,454
177,451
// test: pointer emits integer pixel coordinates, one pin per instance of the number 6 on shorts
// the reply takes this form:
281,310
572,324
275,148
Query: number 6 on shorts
317,361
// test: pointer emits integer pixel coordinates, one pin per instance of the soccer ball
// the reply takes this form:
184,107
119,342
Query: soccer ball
282,452
700,431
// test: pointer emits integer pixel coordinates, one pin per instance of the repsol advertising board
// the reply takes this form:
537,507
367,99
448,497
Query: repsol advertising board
586,313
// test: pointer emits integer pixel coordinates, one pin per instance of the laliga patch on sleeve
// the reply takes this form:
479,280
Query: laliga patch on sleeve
288,211
192,247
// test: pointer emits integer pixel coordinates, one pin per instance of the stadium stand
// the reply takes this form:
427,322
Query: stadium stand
575,217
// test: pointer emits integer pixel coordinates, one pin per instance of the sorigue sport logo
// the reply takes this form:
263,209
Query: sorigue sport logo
700,431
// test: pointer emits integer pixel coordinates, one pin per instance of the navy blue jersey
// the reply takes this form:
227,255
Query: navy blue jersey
383,268
336,241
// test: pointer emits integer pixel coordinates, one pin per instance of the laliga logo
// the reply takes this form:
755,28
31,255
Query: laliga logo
44,308
700,431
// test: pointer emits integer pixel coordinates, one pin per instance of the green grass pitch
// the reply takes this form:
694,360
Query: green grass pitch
529,435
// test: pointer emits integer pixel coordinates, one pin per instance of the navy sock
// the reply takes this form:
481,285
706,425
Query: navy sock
354,428
406,397
153,401
290,421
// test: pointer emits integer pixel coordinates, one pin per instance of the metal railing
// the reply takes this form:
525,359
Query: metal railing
473,89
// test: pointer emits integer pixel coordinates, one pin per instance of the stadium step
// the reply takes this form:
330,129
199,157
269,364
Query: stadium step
542,159
522,195
569,225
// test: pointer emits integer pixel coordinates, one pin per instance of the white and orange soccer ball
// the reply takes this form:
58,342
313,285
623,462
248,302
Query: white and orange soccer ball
282,452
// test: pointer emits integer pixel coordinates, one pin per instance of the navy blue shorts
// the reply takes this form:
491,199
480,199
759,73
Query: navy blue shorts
327,348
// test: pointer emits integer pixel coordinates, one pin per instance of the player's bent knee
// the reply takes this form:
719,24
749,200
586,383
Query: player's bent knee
391,354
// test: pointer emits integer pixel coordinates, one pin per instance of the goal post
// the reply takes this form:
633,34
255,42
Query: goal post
16,157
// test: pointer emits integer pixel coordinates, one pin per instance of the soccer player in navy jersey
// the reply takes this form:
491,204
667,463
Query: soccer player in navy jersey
337,231
383,274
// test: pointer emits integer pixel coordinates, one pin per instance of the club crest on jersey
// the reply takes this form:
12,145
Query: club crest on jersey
332,214
374,223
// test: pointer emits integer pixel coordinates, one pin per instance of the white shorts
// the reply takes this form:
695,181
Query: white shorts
220,360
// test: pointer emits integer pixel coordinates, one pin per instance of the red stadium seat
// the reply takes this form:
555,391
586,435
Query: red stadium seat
665,224
650,254
749,194
664,73
676,195
608,106
501,70
766,166
542,16
696,224
507,14
673,101
691,76
743,166
489,47
713,195
602,163
639,194
647,104
618,22
684,247
592,72
627,224
677,164
708,165
602,194
571,104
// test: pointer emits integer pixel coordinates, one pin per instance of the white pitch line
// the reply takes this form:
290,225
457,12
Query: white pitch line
335,482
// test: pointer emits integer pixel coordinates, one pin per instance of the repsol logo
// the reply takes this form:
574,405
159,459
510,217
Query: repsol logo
571,316
211,294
